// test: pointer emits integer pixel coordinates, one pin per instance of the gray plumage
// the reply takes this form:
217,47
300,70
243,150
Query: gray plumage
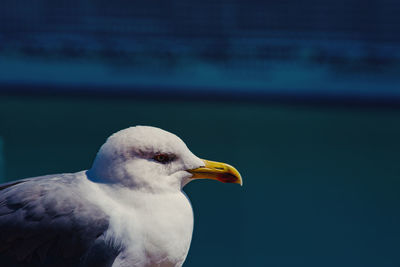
44,221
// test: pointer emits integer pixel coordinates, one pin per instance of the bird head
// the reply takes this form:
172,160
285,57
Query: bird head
149,158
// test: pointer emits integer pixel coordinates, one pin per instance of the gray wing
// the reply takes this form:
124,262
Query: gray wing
44,221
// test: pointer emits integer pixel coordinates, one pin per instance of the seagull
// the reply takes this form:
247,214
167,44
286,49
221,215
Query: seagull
128,209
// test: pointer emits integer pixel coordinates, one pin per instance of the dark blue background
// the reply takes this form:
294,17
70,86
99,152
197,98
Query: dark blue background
302,97
311,49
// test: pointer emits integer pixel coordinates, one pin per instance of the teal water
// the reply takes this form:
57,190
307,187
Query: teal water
321,184
1,161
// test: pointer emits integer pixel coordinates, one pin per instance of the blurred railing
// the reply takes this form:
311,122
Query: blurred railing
284,47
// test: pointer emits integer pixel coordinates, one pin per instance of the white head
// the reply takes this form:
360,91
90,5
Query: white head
151,159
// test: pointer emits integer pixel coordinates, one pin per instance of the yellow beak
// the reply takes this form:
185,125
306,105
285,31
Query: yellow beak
217,171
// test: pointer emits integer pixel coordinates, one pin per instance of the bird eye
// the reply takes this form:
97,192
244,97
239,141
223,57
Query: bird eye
162,158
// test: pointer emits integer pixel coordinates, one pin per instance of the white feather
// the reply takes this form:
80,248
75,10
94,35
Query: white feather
151,219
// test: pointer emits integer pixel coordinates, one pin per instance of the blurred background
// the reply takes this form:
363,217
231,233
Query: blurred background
303,97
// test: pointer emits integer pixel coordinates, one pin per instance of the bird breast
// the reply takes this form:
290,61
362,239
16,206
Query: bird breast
154,227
